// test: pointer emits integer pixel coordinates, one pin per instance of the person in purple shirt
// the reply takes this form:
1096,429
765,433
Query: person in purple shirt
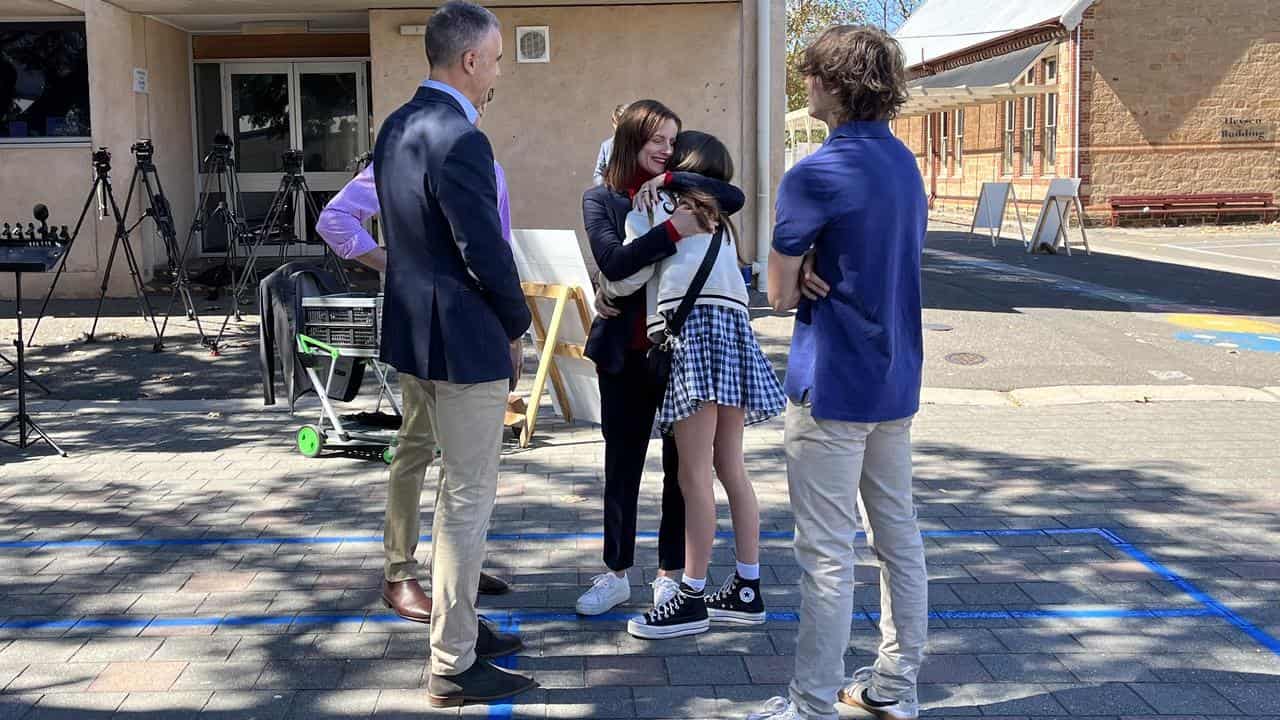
341,223
341,226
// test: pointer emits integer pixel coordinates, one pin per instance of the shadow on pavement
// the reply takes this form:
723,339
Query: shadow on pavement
953,287
313,667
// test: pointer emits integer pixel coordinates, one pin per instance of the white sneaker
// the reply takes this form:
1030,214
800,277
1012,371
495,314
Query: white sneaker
858,694
607,592
776,708
664,588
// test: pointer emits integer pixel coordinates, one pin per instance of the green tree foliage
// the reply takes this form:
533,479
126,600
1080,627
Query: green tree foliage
807,19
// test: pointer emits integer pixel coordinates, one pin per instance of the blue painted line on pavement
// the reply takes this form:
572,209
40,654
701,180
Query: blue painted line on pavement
511,621
1211,606
501,537
1259,635
503,710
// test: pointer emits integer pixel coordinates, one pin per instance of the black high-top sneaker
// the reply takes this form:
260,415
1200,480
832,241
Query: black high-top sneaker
737,602
684,614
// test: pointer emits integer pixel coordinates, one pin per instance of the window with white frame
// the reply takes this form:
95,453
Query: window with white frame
1050,132
944,134
1010,111
1028,135
928,144
44,82
1050,71
959,133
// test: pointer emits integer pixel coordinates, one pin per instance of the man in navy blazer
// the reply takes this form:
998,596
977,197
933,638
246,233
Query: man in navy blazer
453,305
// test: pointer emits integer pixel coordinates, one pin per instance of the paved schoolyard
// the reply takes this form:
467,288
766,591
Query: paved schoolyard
1099,560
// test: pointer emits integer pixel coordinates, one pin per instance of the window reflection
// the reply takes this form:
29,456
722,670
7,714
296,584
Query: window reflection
330,123
260,108
44,80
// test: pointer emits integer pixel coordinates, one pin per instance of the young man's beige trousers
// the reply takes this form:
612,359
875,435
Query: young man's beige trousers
833,468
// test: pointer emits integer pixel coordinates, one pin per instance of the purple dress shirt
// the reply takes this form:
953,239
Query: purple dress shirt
341,223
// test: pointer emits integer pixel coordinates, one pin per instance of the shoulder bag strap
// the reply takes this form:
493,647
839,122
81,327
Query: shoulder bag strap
676,321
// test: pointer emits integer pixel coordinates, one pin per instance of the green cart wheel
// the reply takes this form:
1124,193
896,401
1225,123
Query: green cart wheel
388,454
310,440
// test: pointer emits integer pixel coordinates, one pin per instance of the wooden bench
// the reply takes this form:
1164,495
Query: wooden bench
1202,204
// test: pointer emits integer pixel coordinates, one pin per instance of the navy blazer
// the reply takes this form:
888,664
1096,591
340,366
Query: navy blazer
604,212
453,299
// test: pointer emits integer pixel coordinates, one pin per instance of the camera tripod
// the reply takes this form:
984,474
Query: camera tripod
160,212
292,184
101,190
217,176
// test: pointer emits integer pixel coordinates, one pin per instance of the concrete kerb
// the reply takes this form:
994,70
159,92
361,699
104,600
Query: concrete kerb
1093,394
958,396
1038,397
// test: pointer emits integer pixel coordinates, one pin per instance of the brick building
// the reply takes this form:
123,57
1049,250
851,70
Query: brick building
1134,97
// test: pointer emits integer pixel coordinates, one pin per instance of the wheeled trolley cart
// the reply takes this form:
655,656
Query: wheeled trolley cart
335,327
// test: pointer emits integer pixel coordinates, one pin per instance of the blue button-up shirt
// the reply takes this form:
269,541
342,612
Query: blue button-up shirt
467,108
859,204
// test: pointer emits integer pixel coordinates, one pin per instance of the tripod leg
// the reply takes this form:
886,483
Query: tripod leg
330,257
234,309
229,261
284,203
229,189
41,435
145,303
232,291
14,368
196,224
122,237
163,218
106,279
274,212
195,313
62,264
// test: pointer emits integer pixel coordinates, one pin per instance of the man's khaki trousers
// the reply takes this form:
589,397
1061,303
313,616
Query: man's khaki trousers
466,421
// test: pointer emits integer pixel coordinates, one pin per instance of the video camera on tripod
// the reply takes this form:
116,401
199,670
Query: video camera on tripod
102,160
145,187
221,153
292,161
144,151
279,227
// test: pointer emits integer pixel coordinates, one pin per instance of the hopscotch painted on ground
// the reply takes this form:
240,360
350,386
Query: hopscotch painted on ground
1206,606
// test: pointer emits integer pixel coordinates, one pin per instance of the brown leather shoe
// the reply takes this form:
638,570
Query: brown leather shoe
490,585
407,599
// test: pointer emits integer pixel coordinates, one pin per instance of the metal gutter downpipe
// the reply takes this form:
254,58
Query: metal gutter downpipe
1075,80
764,144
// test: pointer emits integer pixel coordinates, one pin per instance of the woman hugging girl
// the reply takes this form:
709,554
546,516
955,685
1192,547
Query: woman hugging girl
719,382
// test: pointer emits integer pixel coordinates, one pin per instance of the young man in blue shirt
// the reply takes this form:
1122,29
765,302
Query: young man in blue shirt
853,214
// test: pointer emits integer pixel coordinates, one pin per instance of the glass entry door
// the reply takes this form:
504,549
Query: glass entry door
270,108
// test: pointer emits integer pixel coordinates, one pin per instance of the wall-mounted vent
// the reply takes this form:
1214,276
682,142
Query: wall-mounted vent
533,44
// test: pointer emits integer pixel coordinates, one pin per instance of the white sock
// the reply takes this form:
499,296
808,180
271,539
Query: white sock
749,572
696,584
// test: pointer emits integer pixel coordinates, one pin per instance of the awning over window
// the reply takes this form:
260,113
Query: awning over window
984,81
